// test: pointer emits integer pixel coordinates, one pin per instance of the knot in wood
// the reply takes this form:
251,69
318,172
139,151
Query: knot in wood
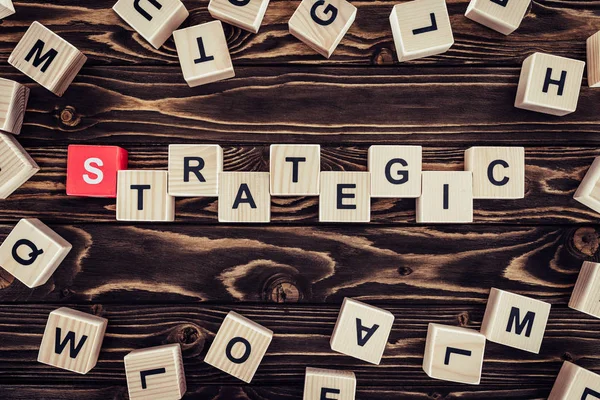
282,289
463,318
383,56
189,336
69,116
586,241
405,271
6,279
98,310
567,357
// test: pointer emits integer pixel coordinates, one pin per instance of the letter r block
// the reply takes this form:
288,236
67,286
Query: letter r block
245,14
295,169
345,197
395,171
194,170
498,172
244,197
142,196
92,170
588,192
575,383
322,384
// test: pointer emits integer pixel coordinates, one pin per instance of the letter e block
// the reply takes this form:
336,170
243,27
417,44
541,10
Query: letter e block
503,16
295,169
588,192
92,170
6,8
447,196
16,166
395,171
586,294
194,170
142,196
345,197
322,384
498,172
244,197
245,14
575,383
593,60
13,102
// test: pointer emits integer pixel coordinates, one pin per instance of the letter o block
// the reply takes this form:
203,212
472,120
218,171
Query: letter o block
92,170
324,384
575,383
498,172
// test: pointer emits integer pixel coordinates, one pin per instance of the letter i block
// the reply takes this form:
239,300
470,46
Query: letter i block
72,340
92,170
155,373
16,166
142,196
588,192
6,8
575,383
323,384
244,197
593,60
194,170
515,321
586,294
13,102
503,16
47,58
447,196
498,172
345,197
395,171
295,169
245,14
32,252
322,24
239,347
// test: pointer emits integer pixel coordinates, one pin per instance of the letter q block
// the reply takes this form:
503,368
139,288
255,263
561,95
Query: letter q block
194,170
586,294
245,14
395,171
503,16
575,383
13,102
322,384
142,196
498,172
588,192
92,170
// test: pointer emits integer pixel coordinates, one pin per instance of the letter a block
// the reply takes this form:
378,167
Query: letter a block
6,8
515,321
588,192
194,170
155,373
454,354
322,384
575,383
395,171
46,58
362,331
447,197
322,24
498,172
586,294
32,252
295,169
142,196
92,170
16,166
72,340
239,347
245,14
503,16
345,197
593,60
244,197
13,102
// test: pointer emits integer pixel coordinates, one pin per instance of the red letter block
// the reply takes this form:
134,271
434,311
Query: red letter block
92,170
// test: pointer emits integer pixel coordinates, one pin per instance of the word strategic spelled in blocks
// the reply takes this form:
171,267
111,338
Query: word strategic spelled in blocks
322,384
586,294
515,321
142,196
13,102
588,192
47,58
32,252
447,196
194,169
593,60
6,8
92,170
155,373
503,16
72,340
239,347
395,171
16,166
244,197
498,172
345,197
295,169
454,354
575,383
245,14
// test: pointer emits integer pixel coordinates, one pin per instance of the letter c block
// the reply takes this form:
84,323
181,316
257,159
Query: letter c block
92,170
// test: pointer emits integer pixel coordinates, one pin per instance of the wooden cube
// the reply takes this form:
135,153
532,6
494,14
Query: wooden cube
549,84
515,321
586,294
32,252
245,14
395,171
6,8
503,16
588,192
593,60
447,196
16,166
142,196
498,172
203,53
92,170
321,24
362,331
13,102
47,58
194,170
72,340
154,20
155,373
239,347
345,197
421,28
322,384
454,354
575,383
295,169
244,197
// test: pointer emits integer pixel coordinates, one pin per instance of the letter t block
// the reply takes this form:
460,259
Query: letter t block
142,196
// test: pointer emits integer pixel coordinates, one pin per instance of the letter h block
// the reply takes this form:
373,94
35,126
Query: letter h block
194,170
324,384
142,196
345,197
245,14
498,172
575,383
503,16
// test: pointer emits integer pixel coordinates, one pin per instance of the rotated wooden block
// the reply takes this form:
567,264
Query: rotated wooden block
239,347
244,197
321,24
92,170
421,28
295,169
155,373
47,58
16,166
588,192
6,8
549,84
586,293
245,14
395,171
498,172
593,60
322,384
362,331
345,197
454,354
575,383
194,169
503,16
447,196
13,102
142,196
72,340
515,321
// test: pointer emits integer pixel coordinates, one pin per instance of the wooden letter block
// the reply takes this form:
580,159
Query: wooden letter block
421,28
322,384
447,196
92,170
47,58
194,170
295,169
593,60
13,102
362,331
515,321
549,84
454,354
345,197
32,252
503,16
575,383
16,166
245,14
244,197
6,8
154,20
239,347
586,294
72,340
155,373
142,196
395,171
322,24
588,192
498,172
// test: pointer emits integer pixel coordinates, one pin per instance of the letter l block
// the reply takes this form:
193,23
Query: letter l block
575,383
322,384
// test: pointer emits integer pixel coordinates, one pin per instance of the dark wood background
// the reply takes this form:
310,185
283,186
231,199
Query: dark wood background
174,283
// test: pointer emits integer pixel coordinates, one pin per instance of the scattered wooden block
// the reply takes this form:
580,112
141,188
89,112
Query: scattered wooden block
194,169
322,384
498,172
586,294
362,331
395,171
72,340
575,383
239,347
154,20
421,28
447,196
295,169
16,166
454,354
244,197
6,8
549,84
13,102
345,197
503,16
155,373
515,321
593,60
245,14
588,192
92,170
47,58
322,24
203,53
142,196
